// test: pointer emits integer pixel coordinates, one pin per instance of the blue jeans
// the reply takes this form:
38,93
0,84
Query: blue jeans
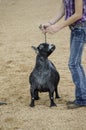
77,42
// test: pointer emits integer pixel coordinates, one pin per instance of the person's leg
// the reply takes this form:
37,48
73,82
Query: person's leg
78,75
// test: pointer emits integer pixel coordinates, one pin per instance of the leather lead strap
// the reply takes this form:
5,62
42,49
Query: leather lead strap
45,33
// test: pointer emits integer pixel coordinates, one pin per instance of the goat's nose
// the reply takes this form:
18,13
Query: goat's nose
52,45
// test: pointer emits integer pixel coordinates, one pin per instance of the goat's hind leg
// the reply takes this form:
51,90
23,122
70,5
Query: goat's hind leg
56,93
36,96
52,104
32,97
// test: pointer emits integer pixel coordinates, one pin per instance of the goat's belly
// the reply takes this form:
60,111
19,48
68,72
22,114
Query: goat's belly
42,85
42,88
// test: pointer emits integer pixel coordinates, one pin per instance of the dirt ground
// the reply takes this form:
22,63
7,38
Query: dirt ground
19,21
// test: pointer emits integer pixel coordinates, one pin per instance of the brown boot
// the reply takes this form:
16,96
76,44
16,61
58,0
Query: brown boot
74,106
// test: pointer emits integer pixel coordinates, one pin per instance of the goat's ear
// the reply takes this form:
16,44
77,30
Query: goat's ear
35,49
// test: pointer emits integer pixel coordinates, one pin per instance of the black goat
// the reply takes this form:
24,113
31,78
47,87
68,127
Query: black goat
44,77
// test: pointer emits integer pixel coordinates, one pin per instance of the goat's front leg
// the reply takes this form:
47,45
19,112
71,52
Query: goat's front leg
32,98
52,104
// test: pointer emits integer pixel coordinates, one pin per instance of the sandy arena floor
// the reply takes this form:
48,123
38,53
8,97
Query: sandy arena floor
19,21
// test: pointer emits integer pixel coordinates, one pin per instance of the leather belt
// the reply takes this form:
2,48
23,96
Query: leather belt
81,24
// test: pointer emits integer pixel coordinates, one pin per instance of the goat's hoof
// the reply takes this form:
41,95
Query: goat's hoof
57,97
53,105
37,98
31,105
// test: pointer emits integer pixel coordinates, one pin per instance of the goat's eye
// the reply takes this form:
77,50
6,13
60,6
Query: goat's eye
41,46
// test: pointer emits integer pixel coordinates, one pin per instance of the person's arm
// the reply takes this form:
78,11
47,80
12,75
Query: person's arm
59,15
54,20
76,16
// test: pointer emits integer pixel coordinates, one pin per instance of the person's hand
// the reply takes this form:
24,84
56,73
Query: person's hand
43,27
52,29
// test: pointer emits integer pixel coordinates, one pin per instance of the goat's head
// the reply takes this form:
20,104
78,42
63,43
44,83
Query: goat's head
44,49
